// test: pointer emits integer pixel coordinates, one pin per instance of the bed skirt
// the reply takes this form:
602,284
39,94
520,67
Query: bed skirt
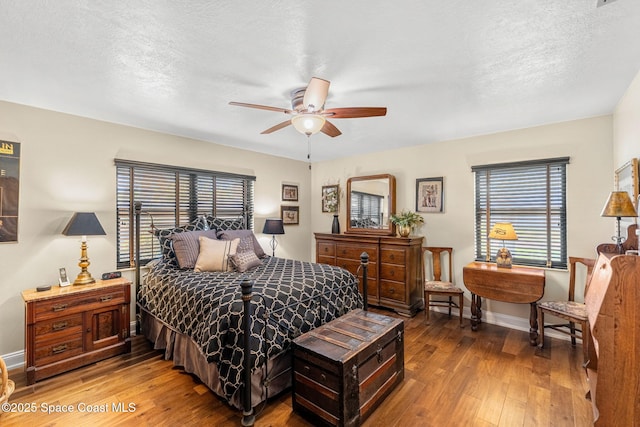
186,354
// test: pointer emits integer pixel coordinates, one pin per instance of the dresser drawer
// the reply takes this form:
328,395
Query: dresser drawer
392,256
392,272
55,350
67,325
354,251
77,302
326,249
392,290
352,266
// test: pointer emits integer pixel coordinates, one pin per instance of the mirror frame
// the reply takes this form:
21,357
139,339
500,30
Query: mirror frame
391,229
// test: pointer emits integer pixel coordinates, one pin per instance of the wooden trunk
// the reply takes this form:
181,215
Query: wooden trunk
345,368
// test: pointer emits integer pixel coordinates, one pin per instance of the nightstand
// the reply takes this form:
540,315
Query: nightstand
72,326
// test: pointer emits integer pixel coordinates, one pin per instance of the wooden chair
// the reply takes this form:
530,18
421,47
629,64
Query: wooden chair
574,312
436,286
6,385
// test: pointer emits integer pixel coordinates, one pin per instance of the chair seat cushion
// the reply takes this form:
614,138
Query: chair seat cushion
440,286
571,308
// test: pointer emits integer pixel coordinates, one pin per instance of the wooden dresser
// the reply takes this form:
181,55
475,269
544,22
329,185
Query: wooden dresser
613,368
394,274
68,327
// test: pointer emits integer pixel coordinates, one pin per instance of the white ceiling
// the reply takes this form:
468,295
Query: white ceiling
444,69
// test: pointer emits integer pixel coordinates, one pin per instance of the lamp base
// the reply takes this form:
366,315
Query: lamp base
84,278
503,258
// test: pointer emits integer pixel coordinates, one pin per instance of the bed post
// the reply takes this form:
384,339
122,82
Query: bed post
364,261
248,417
137,211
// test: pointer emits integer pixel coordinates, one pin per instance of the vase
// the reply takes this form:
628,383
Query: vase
404,230
335,227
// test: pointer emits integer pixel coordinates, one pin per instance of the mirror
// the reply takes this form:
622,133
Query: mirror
370,201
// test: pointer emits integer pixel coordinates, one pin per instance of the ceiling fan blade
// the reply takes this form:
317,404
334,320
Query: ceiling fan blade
355,112
277,127
316,93
261,107
330,129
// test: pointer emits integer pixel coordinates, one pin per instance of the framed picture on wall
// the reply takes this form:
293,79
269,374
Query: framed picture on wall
289,193
290,215
430,195
330,198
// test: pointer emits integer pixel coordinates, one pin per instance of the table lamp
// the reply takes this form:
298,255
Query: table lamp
503,231
84,224
273,226
619,205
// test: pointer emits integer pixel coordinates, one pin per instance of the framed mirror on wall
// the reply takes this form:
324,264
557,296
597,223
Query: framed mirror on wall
371,200
626,179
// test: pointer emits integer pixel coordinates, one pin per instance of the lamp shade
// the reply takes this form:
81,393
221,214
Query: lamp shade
503,231
619,204
273,226
308,124
84,224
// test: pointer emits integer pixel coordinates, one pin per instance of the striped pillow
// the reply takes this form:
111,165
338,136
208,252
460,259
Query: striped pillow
187,247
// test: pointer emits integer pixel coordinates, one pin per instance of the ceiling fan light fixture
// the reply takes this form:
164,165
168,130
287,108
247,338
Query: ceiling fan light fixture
308,124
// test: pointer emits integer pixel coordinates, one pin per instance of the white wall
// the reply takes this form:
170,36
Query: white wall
587,142
626,126
67,165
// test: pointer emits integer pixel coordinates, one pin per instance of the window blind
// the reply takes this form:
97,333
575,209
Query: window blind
532,196
366,208
171,197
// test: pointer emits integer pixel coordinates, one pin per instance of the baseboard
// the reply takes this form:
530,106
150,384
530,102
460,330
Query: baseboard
512,322
15,360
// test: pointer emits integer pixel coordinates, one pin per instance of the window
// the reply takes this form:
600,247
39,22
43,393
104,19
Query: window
365,209
530,195
171,197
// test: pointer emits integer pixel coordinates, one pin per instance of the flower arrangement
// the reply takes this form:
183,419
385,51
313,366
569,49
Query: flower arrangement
406,221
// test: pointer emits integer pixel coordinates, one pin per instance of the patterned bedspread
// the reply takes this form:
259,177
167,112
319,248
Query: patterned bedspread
289,298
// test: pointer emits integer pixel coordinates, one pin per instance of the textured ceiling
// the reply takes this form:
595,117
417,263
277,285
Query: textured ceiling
444,69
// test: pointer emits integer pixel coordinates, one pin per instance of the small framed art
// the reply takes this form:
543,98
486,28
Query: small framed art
430,195
63,279
330,198
289,193
290,215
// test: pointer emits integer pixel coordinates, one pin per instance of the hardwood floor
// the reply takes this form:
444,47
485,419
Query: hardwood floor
453,377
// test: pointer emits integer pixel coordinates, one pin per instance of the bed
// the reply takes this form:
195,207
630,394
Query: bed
198,319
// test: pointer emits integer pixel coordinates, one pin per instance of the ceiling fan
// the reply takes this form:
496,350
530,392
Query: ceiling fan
307,111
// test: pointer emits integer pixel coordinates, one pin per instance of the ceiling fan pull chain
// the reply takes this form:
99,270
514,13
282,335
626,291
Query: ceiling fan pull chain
309,150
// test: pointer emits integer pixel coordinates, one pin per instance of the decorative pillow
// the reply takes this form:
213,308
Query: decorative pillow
214,254
232,234
166,244
243,261
187,246
225,223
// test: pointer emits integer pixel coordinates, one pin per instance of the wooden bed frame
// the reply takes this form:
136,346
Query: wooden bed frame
248,416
